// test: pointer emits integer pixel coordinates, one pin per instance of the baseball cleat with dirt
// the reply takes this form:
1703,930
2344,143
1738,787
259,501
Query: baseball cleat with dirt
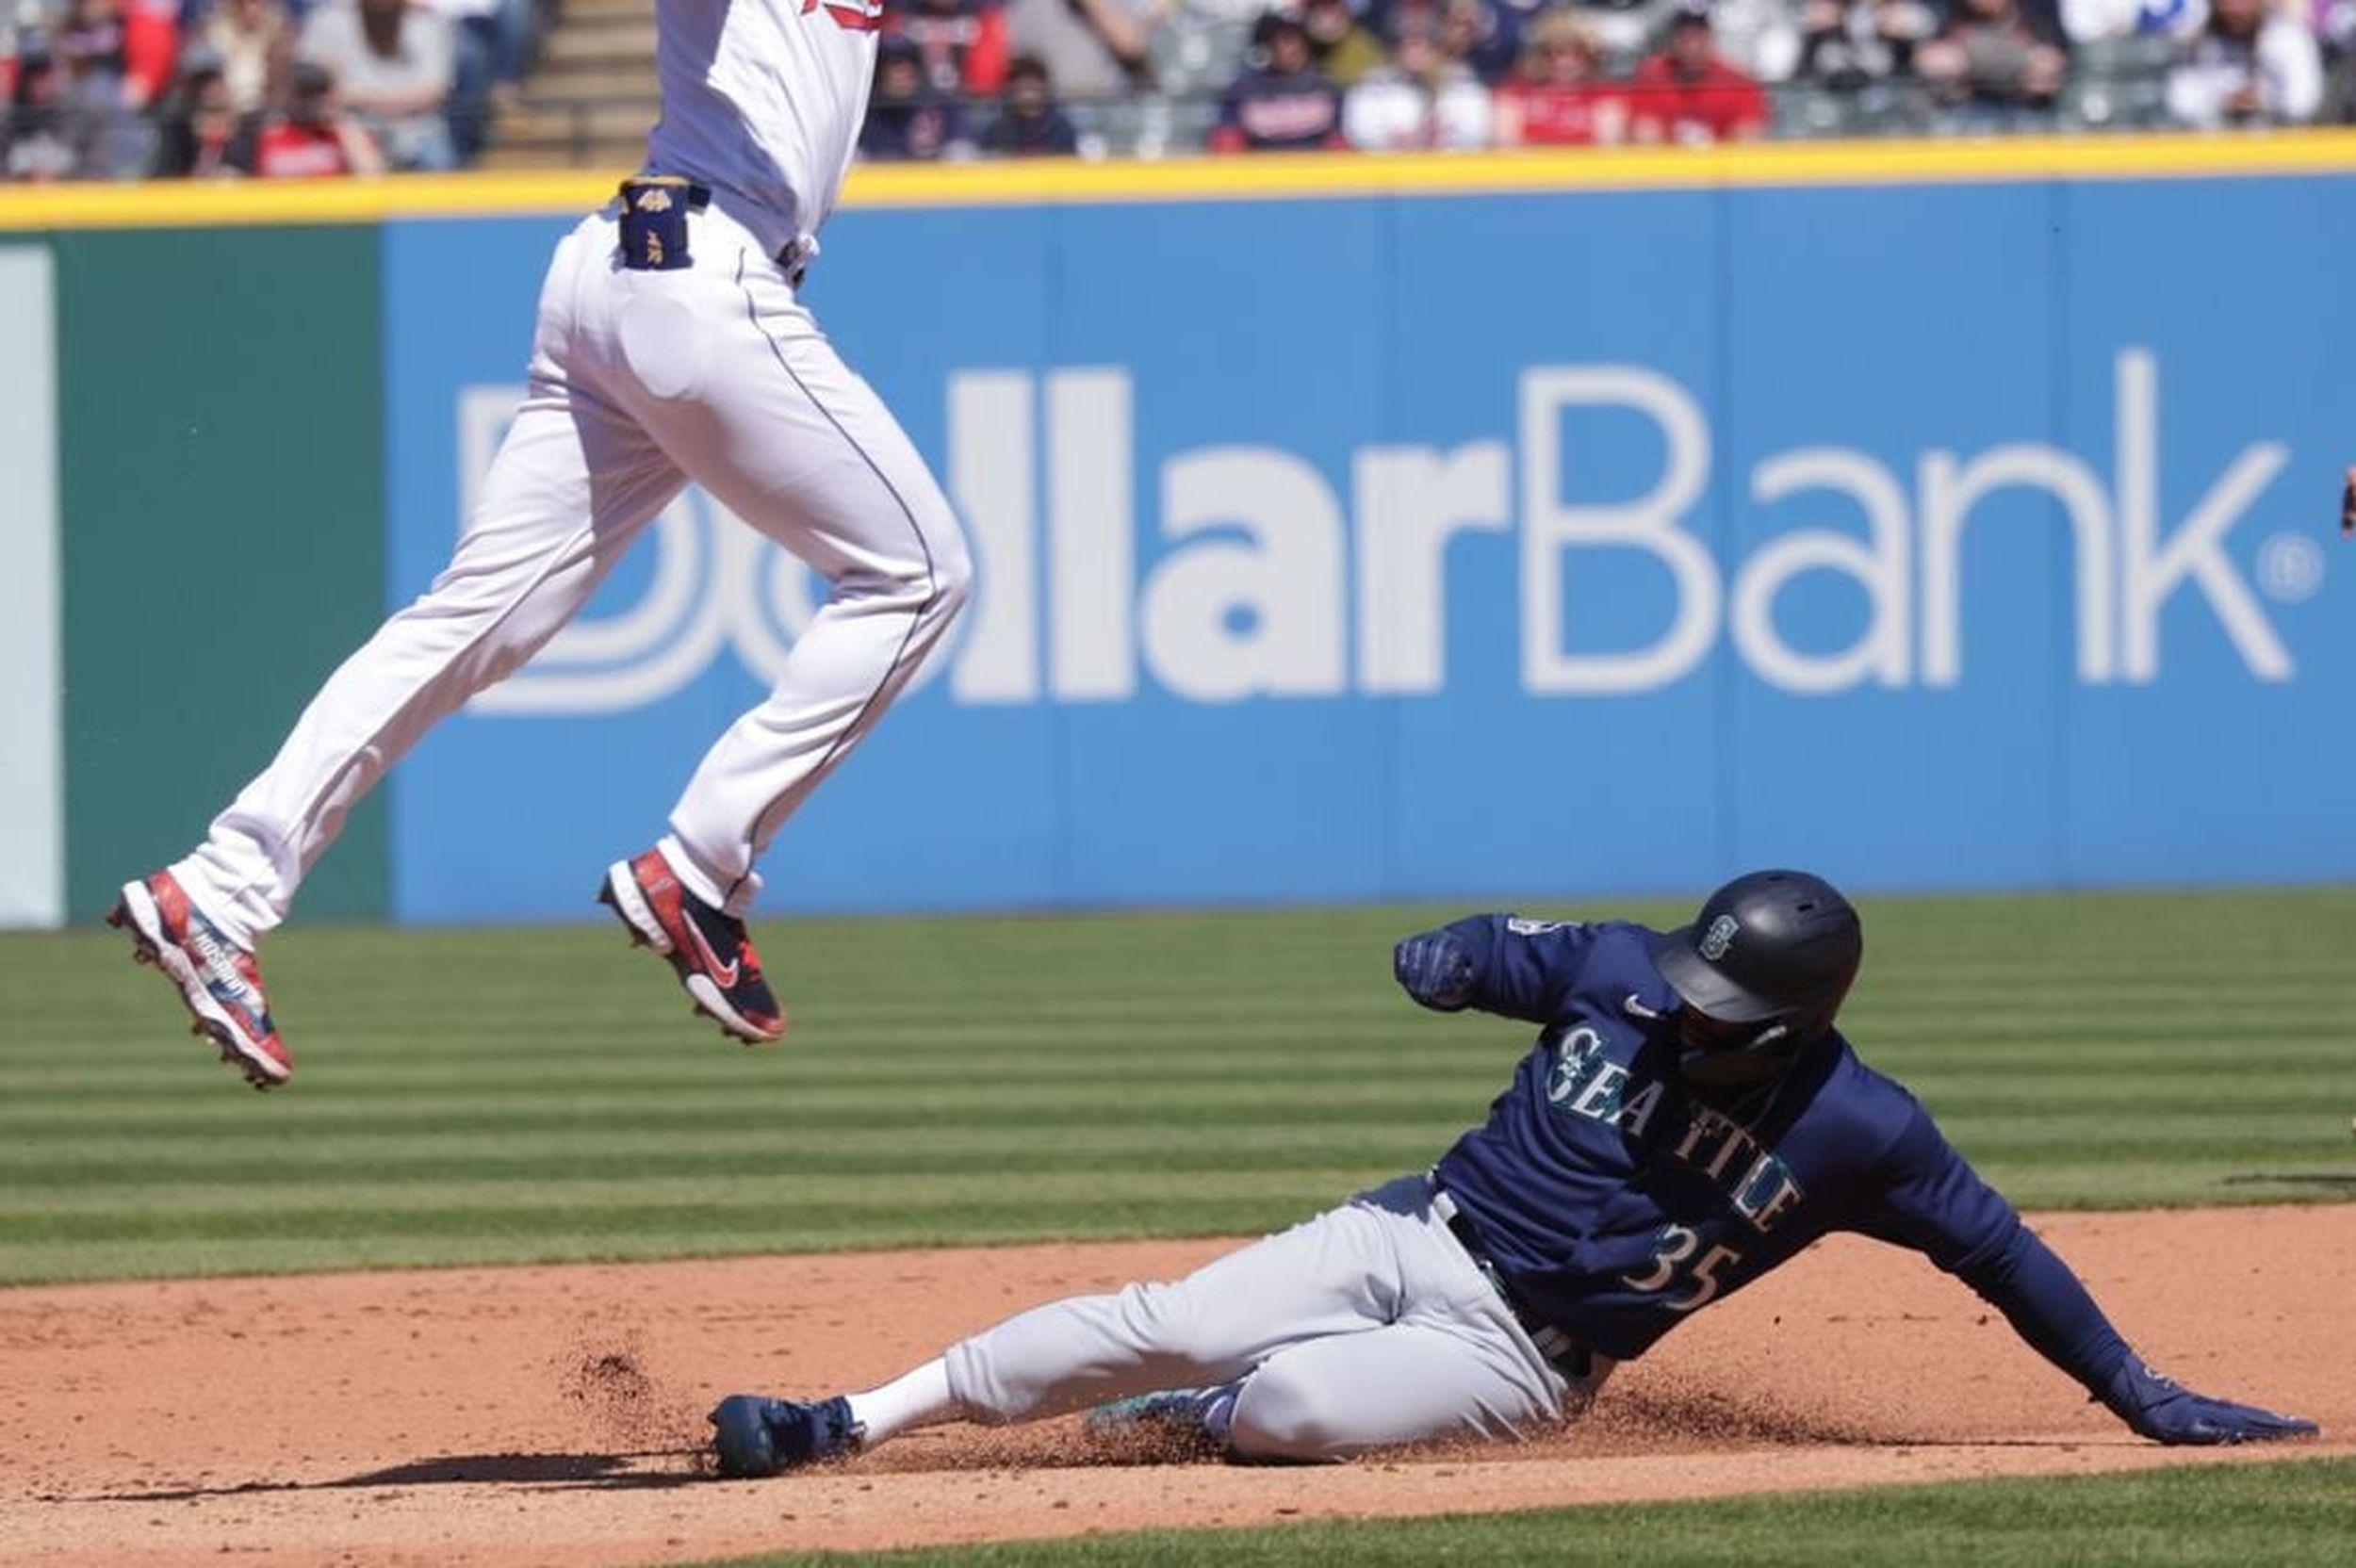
756,1437
220,982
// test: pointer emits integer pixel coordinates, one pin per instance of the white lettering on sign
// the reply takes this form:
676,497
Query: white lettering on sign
1273,584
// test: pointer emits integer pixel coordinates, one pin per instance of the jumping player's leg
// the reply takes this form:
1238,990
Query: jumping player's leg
573,484
772,422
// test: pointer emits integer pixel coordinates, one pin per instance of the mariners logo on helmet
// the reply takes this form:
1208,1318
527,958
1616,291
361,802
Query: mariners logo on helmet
1718,937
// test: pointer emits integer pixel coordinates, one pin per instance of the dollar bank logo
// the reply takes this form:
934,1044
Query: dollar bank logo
1263,577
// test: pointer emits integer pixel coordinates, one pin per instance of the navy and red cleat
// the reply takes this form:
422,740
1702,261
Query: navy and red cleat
707,946
219,981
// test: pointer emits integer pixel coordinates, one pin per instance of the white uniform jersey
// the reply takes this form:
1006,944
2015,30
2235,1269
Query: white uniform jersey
763,100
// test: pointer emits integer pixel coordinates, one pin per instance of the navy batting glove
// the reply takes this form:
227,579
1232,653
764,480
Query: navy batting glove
2156,1408
1433,968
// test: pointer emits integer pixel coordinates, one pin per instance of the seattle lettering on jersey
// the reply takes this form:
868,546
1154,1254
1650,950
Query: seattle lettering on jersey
1587,1083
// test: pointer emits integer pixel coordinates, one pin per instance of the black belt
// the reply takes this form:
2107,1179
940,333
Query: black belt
1564,1353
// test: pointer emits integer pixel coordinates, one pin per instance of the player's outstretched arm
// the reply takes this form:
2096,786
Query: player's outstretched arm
1937,1204
2158,1409
1496,963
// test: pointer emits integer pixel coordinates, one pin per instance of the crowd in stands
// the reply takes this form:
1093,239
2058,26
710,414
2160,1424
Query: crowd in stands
122,88
976,78
115,88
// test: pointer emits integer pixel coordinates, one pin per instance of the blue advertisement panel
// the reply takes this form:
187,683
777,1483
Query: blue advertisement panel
1933,536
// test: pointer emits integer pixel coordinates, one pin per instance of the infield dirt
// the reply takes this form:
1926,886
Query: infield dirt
553,1415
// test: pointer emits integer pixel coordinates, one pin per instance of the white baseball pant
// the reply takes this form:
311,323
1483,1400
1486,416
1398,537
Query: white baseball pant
640,381
1366,1326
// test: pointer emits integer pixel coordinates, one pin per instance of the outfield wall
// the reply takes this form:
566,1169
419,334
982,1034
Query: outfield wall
1346,528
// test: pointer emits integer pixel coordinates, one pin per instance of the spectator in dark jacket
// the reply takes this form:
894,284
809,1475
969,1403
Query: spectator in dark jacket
1030,123
909,118
200,134
1994,57
37,141
1847,46
1285,105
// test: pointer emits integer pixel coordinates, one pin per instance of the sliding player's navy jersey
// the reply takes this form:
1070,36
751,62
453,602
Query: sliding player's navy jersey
1616,1199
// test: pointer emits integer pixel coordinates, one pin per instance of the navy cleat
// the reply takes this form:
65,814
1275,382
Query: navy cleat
707,946
757,1437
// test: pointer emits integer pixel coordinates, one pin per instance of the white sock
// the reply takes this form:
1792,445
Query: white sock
918,1398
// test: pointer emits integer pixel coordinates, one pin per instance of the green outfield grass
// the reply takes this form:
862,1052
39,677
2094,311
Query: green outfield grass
541,1094
2236,1517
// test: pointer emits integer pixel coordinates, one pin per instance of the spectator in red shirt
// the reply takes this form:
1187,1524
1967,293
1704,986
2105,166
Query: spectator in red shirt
1558,95
1687,92
150,48
962,44
1287,105
314,135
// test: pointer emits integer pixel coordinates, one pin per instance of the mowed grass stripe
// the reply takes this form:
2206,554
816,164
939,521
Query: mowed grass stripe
314,1208
2020,1041
2213,1516
141,1177
2132,1073
113,1164
474,1096
582,1236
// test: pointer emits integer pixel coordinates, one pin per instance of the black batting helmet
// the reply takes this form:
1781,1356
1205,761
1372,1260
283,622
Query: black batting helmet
1772,948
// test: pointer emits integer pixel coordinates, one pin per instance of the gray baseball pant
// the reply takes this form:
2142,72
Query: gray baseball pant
1364,1327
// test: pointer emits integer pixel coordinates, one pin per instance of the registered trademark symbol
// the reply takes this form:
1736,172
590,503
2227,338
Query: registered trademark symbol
2290,568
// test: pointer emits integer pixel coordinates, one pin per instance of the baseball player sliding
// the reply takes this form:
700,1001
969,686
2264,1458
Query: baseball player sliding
1688,1121
672,345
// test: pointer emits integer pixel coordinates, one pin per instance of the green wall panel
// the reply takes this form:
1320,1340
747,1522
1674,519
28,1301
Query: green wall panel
220,410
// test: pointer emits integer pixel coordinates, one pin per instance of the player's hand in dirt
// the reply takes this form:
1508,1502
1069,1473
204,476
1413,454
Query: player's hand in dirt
2158,1409
1433,968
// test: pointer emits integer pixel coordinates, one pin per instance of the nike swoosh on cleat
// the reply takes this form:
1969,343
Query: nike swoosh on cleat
724,973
